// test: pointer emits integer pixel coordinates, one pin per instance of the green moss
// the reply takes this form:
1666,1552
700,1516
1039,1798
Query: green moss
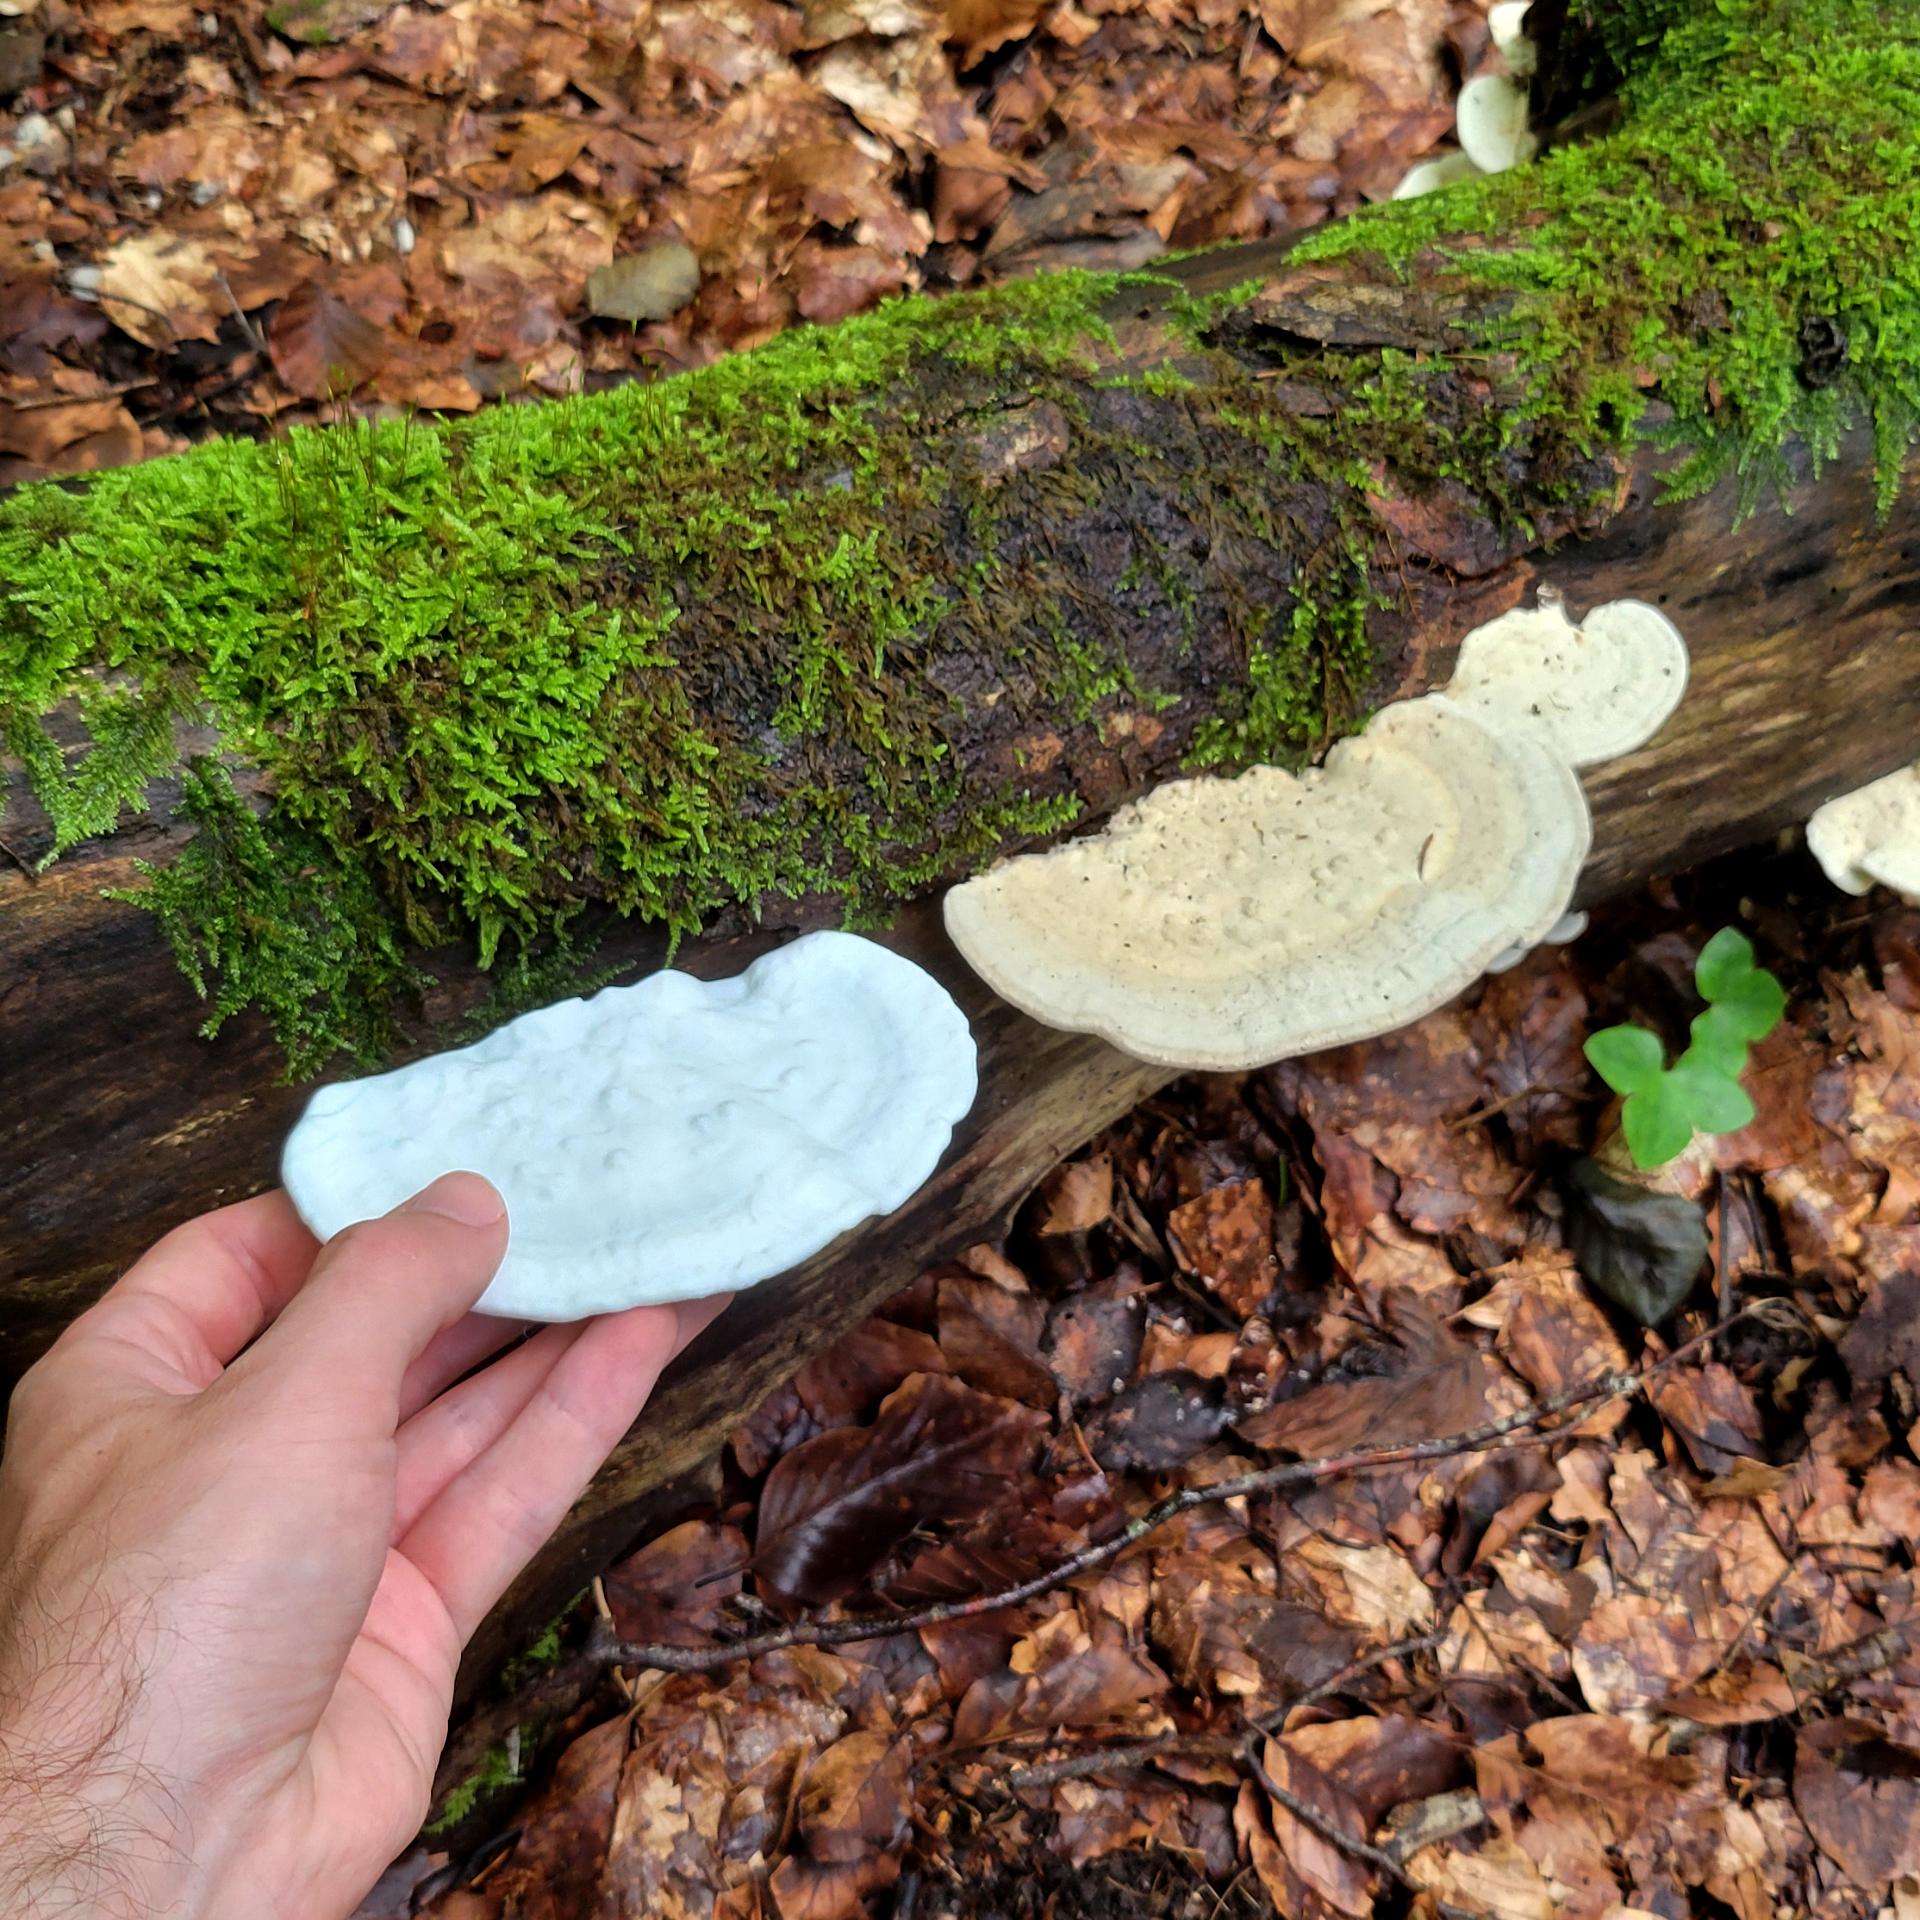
496,1772
1764,187
684,649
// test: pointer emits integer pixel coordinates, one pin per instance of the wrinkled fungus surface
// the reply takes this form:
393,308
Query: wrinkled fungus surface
666,1140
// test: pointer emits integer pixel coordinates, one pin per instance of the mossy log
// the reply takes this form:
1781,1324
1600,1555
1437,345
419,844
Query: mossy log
820,629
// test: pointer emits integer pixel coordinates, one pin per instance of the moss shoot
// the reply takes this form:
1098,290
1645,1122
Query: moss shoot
689,648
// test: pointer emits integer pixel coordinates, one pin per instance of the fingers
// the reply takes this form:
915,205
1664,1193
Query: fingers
378,1295
482,1528
183,1311
454,1353
445,1438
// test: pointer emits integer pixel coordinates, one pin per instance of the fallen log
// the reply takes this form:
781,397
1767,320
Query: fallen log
832,625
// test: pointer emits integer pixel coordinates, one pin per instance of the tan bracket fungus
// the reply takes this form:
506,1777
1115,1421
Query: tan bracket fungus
1871,836
1226,923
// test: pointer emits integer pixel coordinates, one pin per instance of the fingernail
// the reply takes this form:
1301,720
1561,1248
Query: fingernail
464,1197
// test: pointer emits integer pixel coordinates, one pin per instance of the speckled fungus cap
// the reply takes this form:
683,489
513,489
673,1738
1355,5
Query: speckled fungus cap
1226,923
1871,837
1597,690
666,1140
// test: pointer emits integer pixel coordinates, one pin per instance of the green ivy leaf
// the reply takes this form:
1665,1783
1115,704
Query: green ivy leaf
1718,1042
1629,1059
1658,1122
1755,1003
1716,1102
1725,960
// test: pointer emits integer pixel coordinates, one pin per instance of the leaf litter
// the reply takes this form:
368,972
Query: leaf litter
282,210
1657,1659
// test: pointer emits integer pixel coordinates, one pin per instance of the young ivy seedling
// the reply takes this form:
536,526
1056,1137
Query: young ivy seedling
1701,1092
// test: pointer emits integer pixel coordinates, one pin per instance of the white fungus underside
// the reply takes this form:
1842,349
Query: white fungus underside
1598,690
666,1140
1228,923
1871,837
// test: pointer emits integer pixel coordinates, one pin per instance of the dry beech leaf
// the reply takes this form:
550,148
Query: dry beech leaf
838,1504
1076,1198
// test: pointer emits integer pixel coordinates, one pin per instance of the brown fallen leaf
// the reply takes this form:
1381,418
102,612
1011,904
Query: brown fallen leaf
990,1336
834,1507
978,27
845,1384
1224,1237
1437,1386
1859,1794
672,1590
855,1799
322,348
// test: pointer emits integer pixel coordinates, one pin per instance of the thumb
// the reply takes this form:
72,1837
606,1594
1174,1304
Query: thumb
378,1293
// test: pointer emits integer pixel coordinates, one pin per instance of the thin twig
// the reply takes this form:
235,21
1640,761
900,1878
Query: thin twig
1123,1759
1511,1429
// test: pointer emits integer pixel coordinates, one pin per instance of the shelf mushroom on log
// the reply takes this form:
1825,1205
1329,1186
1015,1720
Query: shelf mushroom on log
838,623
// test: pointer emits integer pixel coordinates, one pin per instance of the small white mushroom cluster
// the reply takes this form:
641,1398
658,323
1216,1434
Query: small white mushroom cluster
1871,837
1491,115
666,1140
1227,923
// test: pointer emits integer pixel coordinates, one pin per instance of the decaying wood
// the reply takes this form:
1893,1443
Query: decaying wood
120,1121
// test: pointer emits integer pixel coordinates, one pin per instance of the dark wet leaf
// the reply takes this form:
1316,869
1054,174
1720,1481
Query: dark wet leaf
1642,1250
837,1505
1438,1386
322,347
1158,1425
844,1384
1093,1338
672,1590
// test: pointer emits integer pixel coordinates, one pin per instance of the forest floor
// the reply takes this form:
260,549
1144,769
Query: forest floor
1660,1657
216,220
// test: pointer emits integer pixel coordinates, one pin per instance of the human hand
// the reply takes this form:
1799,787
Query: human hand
246,1527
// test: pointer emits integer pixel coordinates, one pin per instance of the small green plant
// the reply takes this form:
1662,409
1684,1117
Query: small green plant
1701,1092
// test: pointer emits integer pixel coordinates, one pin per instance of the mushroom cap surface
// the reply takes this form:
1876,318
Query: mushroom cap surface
1226,923
1871,836
665,1140
1597,690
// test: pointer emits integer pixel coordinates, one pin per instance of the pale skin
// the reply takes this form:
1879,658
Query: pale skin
252,1506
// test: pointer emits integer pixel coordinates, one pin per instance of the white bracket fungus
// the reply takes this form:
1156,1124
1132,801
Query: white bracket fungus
666,1140
1226,923
1491,116
1871,837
